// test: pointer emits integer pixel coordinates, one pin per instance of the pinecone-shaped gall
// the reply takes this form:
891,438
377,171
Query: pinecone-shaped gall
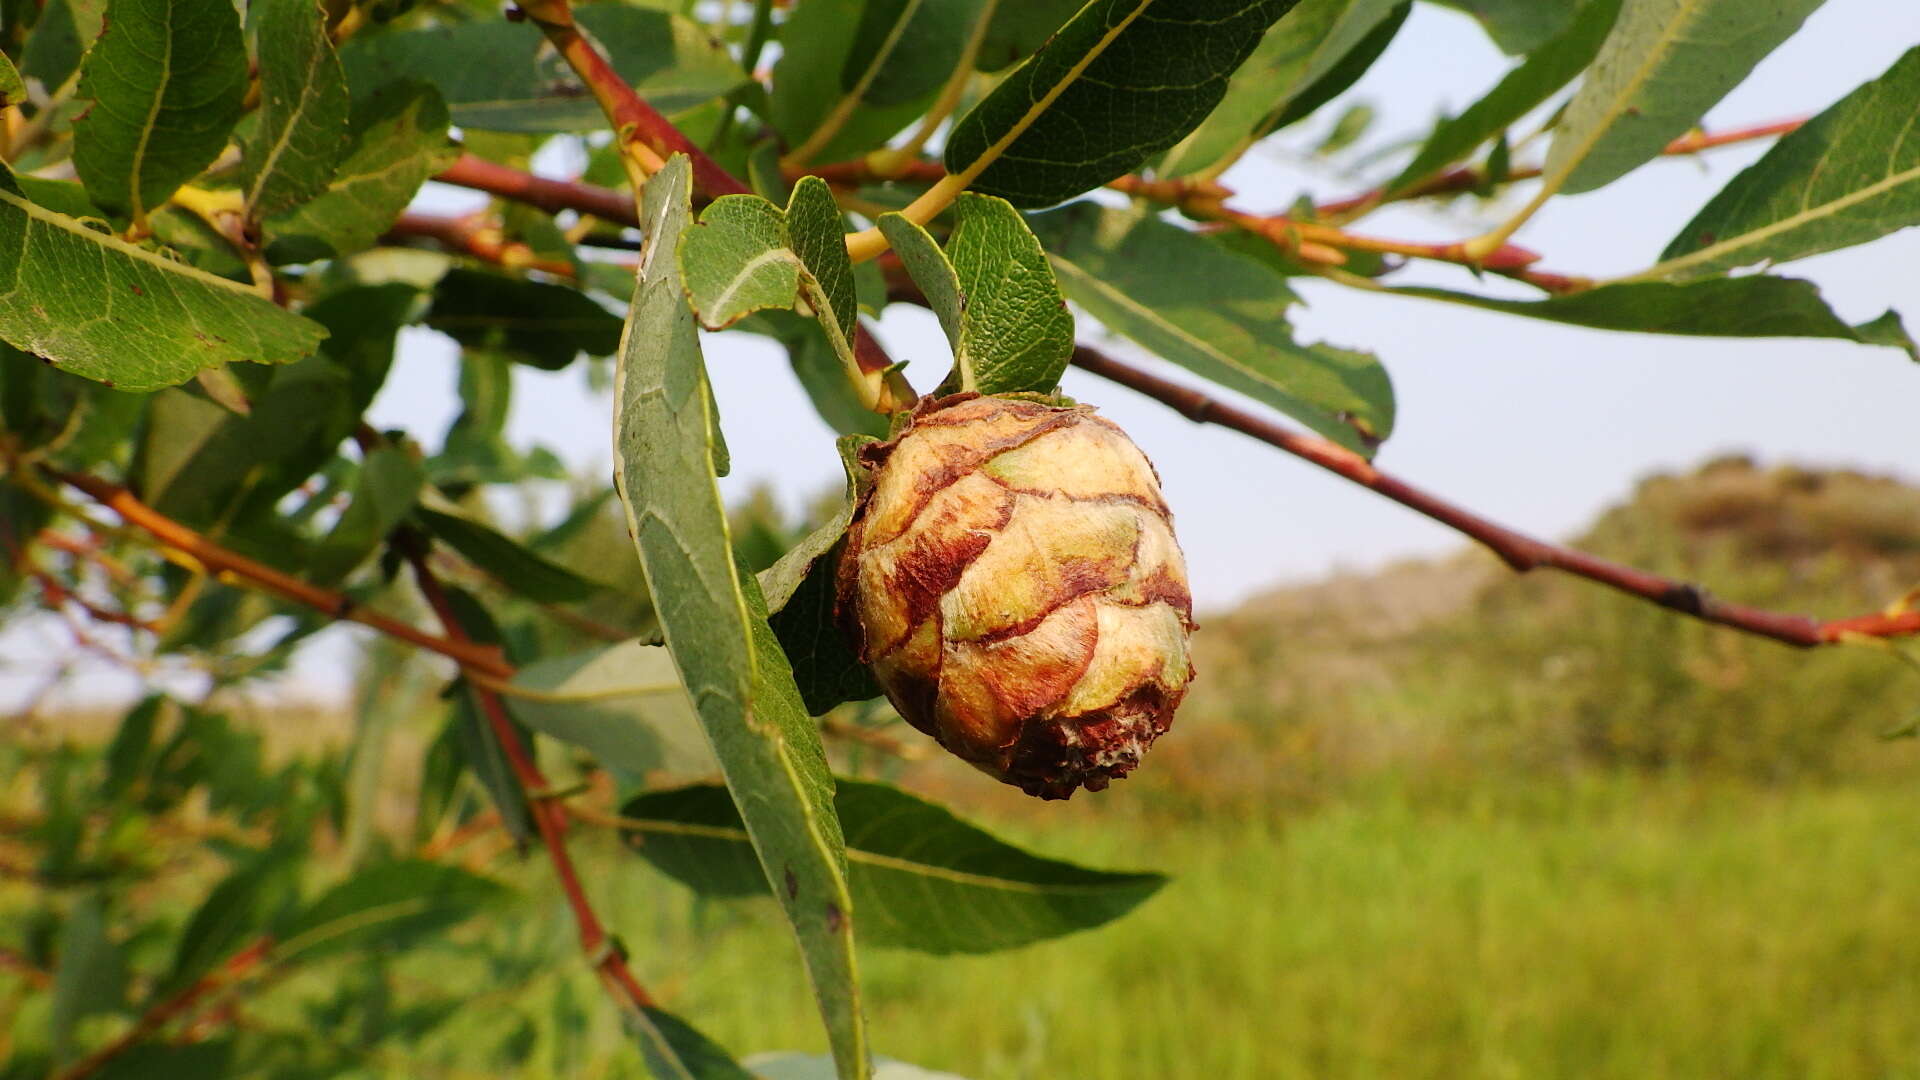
1012,578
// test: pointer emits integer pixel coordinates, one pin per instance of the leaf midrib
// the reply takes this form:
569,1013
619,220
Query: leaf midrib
1154,317
869,858
153,114
1663,45
41,214
1806,216
285,139
1039,108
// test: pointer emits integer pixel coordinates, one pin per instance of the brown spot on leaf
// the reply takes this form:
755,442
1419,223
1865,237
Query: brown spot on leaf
793,884
836,919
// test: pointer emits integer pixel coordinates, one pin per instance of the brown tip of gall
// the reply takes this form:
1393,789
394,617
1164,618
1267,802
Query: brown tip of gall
1054,757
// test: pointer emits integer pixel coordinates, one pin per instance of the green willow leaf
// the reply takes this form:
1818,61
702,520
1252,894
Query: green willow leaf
623,703
714,620
241,905
1345,72
107,310
302,130
505,559
1712,307
497,75
1665,63
1518,26
389,905
167,79
904,50
817,49
384,493
923,878
399,136
1849,175
995,296
1520,92
1295,53
92,976
1122,81
61,35
534,322
1218,313
676,1050
1019,28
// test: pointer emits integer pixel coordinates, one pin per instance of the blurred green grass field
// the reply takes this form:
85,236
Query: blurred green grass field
1432,822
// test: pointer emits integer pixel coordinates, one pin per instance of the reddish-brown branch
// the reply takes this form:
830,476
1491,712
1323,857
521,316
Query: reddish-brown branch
222,563
1516,549
553,196
57,595
237,967
474,236
634,121
548,814
17,963
1468,178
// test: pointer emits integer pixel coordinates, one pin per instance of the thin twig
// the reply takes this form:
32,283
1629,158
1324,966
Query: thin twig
643,132
226,564
1518,550
475,236
238,966
548,814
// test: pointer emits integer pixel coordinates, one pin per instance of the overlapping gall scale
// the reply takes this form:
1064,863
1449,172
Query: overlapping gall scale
1013,580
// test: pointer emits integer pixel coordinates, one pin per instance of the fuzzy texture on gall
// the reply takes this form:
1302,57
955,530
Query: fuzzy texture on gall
1012,578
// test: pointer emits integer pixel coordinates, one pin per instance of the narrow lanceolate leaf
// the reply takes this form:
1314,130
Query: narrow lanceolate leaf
240,906
1122,81
994,294
167,79
1523,89
1711,307
389,905
1019,29
302,129
92,973
904,50
676,1050
1218,313
397,139
384,494
923,878
624,703
1296,52
509,562
534,322
122,315
1519,26
502,76
714,620
1849,175
1664,65
817,69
